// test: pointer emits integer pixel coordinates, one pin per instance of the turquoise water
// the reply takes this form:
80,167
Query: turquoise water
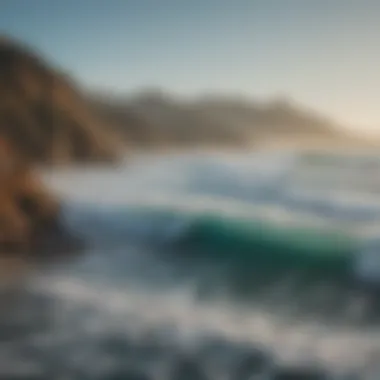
204,264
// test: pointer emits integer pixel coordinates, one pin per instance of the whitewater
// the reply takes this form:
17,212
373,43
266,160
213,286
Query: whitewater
171,285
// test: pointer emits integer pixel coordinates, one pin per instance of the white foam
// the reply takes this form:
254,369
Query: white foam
336,347
229,186
220,181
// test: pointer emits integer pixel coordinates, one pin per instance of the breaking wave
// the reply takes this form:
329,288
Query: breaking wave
206,266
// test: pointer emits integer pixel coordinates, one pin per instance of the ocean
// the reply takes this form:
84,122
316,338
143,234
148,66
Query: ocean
202,266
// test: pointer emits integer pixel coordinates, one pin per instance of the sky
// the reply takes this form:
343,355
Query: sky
324,54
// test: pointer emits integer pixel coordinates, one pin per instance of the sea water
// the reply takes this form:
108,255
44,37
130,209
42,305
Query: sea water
181,279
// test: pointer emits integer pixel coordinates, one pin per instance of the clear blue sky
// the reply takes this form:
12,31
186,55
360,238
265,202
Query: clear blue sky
322,53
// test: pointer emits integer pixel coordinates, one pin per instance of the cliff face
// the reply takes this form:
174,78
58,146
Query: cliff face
43,114
29,214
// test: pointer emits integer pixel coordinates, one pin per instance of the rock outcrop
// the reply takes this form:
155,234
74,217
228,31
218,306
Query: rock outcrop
29,213
43,113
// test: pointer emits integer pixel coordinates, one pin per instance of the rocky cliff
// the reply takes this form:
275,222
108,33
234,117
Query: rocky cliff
43,113
29,213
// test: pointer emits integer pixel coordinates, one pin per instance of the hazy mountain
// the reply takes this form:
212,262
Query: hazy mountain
156,118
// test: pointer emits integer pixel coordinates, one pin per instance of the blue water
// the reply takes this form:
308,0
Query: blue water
138,304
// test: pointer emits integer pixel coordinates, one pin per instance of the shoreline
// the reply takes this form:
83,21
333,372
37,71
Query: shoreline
211,150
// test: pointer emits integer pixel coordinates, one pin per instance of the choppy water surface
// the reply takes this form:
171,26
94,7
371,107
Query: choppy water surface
138,305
